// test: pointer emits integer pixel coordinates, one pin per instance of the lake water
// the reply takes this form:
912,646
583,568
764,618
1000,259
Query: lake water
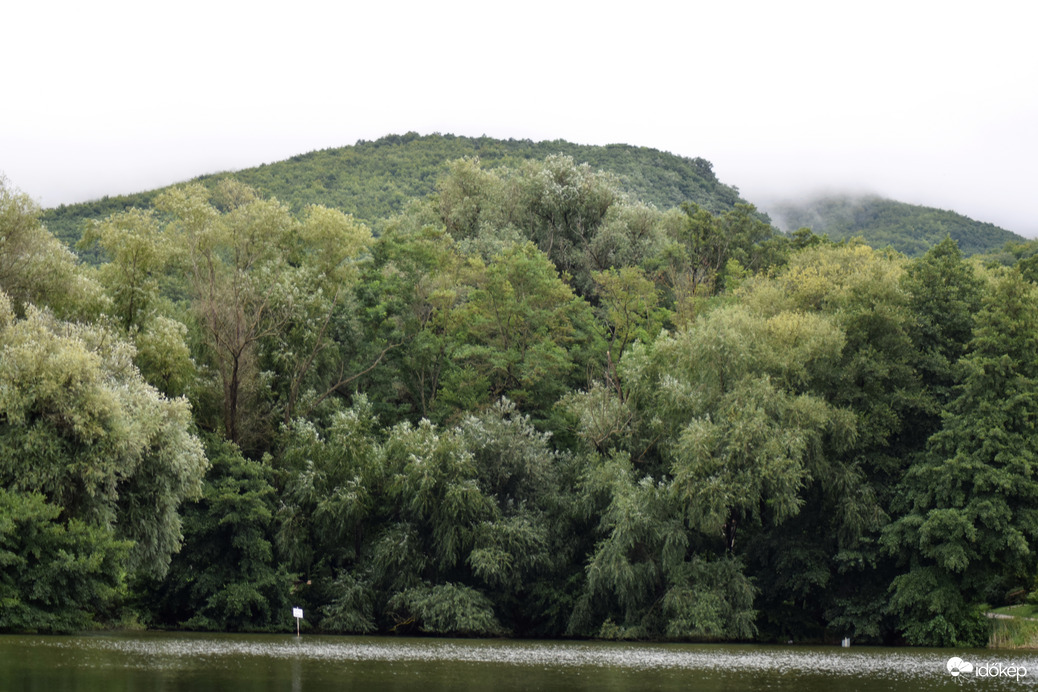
240,663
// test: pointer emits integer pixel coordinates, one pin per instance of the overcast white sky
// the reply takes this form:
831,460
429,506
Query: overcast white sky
927,102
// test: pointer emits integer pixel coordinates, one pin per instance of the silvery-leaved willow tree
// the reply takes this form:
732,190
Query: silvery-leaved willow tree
94,462
109,455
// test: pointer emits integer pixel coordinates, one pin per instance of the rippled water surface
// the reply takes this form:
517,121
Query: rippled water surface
160,661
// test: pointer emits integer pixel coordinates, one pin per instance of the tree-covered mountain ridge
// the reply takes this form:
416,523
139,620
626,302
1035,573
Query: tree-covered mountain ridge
881,222
373,180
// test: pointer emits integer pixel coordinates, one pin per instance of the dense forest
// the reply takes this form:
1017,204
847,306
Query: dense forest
908,228
524,403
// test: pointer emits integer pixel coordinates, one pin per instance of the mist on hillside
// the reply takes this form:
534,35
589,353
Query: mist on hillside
814,209
883,222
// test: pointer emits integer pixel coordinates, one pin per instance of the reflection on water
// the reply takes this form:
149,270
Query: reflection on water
239,663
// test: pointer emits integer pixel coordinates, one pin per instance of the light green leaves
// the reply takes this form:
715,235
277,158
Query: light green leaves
78,424
36,268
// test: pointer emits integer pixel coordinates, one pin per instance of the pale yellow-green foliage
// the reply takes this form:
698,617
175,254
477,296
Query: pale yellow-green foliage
132,238
828,279
257,277
83,428
333,241
735,341
163,355
629,303
138,253
35,267
793,340
57,372
470,199
730,401
194,216
603,417
6,310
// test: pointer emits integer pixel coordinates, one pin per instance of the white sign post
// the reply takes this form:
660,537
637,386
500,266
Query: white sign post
297,613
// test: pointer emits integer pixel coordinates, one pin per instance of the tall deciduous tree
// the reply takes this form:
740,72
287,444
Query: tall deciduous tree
944,298
138,253
315,349
563,206
824,568
695,255
232,257
264,283
409,295
521,327
728,439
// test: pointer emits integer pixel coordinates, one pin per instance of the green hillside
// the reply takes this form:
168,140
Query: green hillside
373,180
909,228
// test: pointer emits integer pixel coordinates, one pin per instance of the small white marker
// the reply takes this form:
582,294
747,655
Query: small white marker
297,613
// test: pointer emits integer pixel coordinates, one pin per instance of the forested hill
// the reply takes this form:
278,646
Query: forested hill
373,180
909,228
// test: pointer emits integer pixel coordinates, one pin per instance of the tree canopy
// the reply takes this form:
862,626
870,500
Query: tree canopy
514,397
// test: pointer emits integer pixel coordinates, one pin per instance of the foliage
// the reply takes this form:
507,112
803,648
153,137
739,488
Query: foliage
80,426
226,577
58,575
969,528
35,268
138,253
1013,633
446,609
702,250
631,306
262,285
944,299
825,566
521,327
